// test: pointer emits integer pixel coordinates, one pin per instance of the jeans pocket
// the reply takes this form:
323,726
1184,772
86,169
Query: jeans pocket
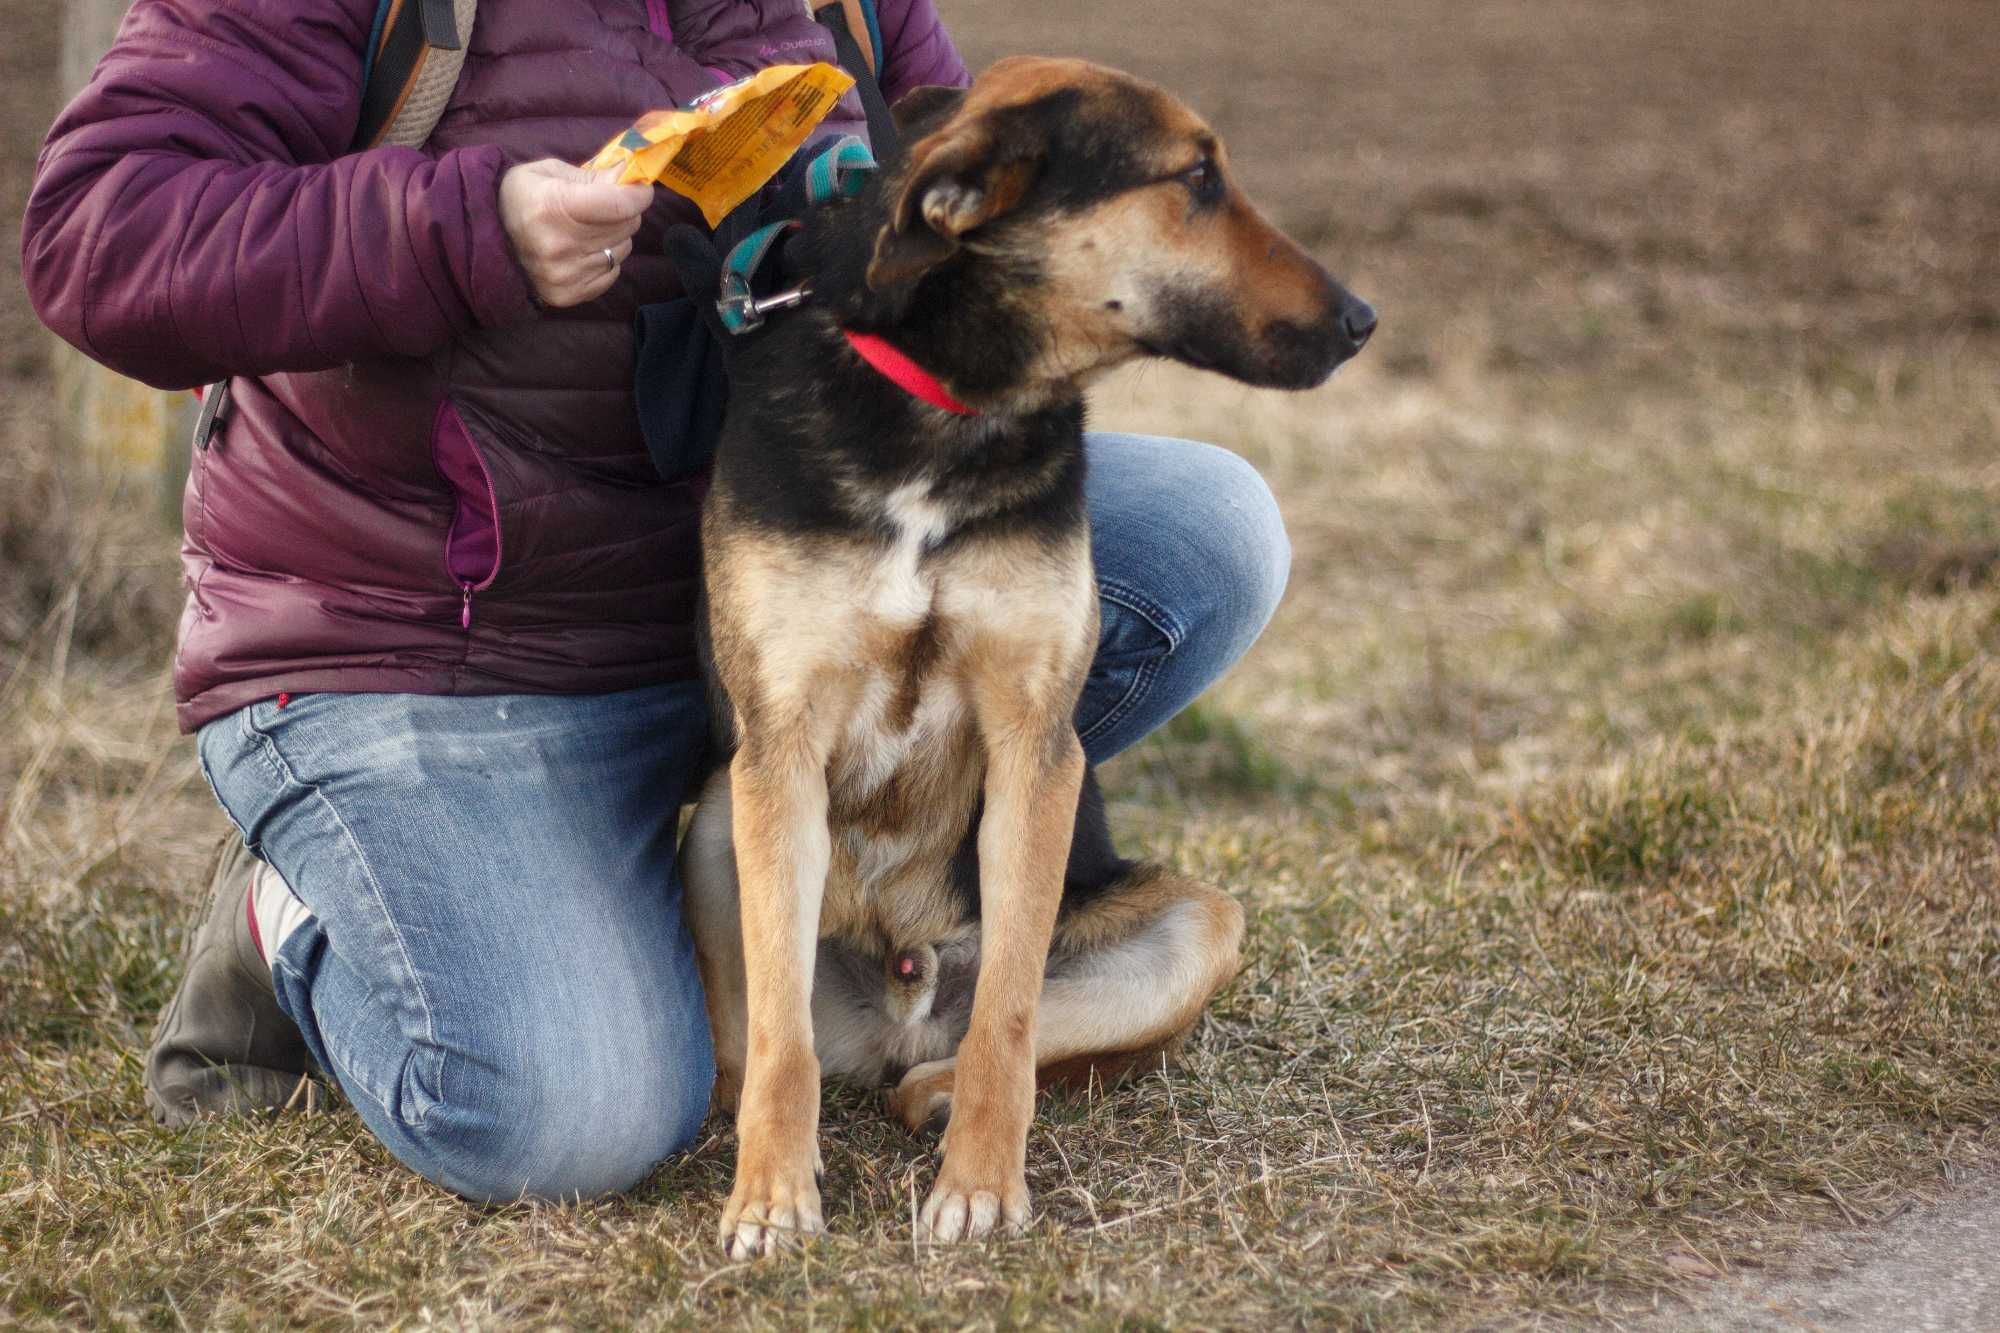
1136,634
1133,626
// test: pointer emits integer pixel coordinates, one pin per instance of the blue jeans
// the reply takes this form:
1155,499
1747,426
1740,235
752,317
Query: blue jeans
496,971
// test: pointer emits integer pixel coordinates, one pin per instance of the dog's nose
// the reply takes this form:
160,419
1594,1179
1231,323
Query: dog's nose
1357,321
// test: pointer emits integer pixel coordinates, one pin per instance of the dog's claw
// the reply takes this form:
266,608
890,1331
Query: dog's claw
773,1218
784,1230
952,1215
763,1233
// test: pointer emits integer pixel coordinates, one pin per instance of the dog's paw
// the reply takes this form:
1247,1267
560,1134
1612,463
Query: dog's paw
772,1209
922,1100
962,1209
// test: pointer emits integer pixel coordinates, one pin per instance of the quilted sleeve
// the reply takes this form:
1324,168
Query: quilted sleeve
192,215
916,48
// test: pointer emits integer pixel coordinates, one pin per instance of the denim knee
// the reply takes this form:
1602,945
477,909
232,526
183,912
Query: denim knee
585,1121
1237,537
1192,560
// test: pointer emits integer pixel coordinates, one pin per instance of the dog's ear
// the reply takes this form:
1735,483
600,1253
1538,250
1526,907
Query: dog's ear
924,108
959,177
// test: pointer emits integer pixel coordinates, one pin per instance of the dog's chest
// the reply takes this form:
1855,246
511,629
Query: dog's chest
910,703
895,721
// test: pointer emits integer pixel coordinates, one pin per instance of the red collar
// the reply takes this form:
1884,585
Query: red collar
904,373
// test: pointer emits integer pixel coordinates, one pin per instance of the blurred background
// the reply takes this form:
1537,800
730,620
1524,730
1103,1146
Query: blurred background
1641,621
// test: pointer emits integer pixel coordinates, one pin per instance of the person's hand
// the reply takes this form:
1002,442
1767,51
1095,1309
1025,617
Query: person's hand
563,220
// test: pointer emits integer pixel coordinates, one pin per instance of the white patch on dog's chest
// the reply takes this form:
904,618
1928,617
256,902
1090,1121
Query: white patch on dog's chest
902,590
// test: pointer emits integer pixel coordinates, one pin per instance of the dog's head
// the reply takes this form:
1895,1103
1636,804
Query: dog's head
1112,208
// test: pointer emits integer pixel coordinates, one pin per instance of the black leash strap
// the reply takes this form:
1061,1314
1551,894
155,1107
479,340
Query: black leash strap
882,137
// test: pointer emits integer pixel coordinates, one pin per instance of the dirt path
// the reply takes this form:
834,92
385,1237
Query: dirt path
1935,1268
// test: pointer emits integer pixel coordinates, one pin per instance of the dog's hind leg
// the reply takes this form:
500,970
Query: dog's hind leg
1130,969
1130,972
715,919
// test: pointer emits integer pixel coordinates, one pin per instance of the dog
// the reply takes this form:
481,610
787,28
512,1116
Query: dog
902,873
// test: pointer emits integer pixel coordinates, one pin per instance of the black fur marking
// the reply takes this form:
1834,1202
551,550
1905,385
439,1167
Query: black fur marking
924,108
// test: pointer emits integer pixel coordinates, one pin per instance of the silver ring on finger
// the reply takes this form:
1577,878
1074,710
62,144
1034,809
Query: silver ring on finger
610,260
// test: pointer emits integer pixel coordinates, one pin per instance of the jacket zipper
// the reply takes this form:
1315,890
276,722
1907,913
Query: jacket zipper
466,586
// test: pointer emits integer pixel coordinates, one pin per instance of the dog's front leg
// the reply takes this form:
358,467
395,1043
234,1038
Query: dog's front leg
1034,769
778,794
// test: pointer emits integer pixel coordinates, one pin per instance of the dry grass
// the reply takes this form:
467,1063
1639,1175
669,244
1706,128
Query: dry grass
1616,795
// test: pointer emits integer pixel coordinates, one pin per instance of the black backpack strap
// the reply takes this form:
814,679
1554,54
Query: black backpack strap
882,137
440,25
409,31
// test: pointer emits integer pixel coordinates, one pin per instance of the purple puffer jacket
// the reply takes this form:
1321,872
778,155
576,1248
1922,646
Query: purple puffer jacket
427,484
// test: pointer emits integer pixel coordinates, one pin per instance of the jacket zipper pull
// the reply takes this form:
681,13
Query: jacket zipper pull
465,609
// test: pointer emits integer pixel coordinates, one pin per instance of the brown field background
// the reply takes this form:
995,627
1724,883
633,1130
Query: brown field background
1616,794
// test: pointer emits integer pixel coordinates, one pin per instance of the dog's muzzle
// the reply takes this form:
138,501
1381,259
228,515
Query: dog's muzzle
1299,356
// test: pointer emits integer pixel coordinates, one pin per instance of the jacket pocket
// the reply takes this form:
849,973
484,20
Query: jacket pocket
472,546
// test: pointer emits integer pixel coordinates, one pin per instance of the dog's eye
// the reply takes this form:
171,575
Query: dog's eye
1204,181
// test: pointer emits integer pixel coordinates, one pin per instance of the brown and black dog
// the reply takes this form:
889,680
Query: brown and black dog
903,873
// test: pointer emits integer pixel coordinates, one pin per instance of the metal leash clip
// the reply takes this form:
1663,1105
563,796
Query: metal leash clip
743,311
741,308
